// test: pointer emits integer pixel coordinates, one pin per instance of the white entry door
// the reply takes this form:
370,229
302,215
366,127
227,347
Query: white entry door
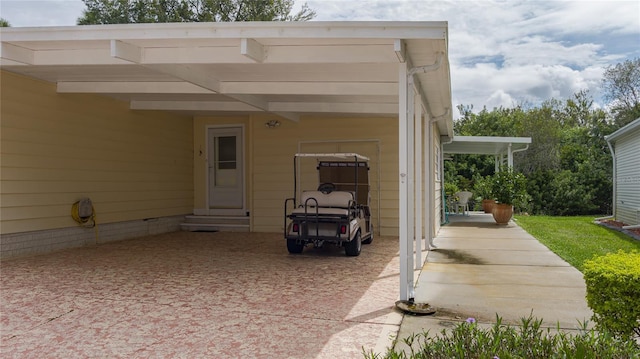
225,170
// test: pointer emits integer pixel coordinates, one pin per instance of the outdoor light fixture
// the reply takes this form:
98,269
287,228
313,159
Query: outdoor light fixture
272,124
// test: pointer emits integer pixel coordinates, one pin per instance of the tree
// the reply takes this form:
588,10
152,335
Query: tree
157,11
4,23
621,85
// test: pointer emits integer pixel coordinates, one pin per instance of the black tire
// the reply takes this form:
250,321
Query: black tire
353,247
370,239
294,247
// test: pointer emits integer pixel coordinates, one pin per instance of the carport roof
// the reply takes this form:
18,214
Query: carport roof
485,145
291,69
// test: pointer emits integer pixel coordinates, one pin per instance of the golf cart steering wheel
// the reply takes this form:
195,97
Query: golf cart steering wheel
326,188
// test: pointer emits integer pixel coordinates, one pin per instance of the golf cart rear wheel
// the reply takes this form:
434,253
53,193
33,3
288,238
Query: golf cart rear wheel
294,247
370,239
352,248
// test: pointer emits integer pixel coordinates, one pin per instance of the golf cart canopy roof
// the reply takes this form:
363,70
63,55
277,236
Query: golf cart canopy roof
334,156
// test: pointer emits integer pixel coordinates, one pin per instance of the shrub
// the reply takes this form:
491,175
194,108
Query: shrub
528,340
613,292
509,187
483,188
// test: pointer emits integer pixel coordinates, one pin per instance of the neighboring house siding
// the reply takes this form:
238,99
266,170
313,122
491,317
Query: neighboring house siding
627,150
59,148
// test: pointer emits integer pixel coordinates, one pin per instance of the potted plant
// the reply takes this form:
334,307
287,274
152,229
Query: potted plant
509,188
483,188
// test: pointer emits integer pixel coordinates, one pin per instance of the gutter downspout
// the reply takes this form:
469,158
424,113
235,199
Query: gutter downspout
615,178
511,152
522,149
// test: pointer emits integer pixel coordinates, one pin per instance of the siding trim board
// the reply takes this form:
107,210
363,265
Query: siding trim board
40,242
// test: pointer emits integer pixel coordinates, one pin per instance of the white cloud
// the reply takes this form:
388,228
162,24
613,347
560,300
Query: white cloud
21,13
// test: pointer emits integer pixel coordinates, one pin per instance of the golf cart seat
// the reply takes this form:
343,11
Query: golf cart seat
334,203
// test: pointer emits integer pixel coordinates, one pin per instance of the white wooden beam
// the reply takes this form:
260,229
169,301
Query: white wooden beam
189,74
139,87
122,52
333,107
126,51
252,49
225,106
311,88
400,50
436,30
16,54
234,88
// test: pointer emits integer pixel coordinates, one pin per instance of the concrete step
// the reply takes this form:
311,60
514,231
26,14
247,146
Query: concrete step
195,223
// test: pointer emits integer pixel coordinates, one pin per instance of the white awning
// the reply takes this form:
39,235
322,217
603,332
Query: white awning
290,69
502,148
485,145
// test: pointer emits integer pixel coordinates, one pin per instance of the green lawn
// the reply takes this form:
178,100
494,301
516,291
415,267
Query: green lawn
576,239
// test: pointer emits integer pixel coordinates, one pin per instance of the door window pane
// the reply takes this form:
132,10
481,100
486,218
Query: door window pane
226,152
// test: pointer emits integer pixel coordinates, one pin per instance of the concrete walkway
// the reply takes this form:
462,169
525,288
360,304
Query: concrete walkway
480,269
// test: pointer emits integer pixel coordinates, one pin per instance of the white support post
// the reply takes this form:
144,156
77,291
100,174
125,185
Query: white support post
403,221
411,184
510,157
428,182
418,144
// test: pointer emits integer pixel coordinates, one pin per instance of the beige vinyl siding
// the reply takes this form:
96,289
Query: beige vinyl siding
269,163
272,158
58,148
628,178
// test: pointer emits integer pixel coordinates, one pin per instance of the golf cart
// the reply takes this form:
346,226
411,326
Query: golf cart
337,211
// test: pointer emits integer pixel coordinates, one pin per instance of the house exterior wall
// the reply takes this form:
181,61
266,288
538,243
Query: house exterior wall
58,148
627,149
269,162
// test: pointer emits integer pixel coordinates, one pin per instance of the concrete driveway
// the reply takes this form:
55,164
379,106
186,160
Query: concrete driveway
194,295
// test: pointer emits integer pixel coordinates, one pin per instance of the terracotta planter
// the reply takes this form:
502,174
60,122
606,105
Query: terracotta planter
487,205
502,213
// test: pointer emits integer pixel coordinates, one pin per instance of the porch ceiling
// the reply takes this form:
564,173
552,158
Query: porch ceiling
291,69
485,145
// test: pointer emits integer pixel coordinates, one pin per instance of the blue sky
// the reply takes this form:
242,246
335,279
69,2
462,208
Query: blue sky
502,53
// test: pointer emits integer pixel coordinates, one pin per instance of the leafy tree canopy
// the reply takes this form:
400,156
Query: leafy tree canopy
568,164
4,23
621,85
156,11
